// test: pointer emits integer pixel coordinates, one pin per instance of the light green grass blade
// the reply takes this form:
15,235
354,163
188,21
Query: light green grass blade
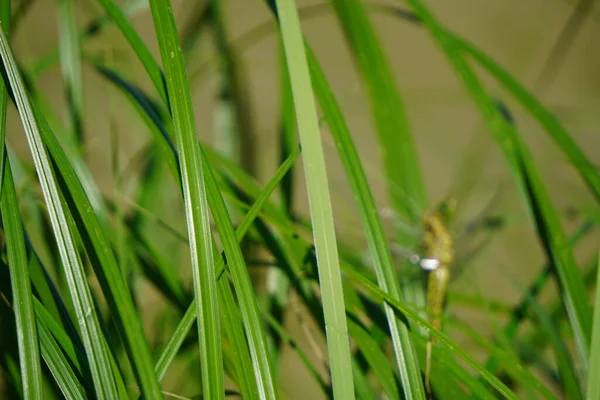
93,338
400,160
593,384
27,335
196,204
319,201
521,165
70,63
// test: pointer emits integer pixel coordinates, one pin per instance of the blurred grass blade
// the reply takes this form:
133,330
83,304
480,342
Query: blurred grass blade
519,312
404,351
70,62
593,383
561,137
196,205
71,381
375,358
539,205
138,46
96,350
400,160
562,358
319,201
27,335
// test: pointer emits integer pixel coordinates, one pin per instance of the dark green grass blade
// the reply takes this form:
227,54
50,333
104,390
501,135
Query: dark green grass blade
70,62
383,264
138,46
536,198
61,356
27,335
400,160
375,357
319,201
96,350
562,358
593,384
196,205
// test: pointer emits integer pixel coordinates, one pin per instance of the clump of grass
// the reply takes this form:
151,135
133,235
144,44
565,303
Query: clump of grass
80,262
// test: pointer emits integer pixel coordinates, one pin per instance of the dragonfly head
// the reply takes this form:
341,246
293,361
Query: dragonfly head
447,209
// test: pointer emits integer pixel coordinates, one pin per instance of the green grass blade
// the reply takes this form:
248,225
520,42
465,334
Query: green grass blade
70,62
138,46
105,265
375,358
400,160
320,203
27,335
383,263
521,165
194,189
69,380
593,384
186,323
93,338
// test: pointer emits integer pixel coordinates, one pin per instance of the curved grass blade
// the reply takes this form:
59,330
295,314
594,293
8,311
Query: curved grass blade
536,198
96,350
593,384
27,335
557,132
196,205
319,201
400,159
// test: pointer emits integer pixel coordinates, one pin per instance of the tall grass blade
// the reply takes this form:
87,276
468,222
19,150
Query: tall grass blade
319,201
27,335
96,350
593,384
400,161
196,205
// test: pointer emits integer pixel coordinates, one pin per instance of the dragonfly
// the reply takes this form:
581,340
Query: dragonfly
438,254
